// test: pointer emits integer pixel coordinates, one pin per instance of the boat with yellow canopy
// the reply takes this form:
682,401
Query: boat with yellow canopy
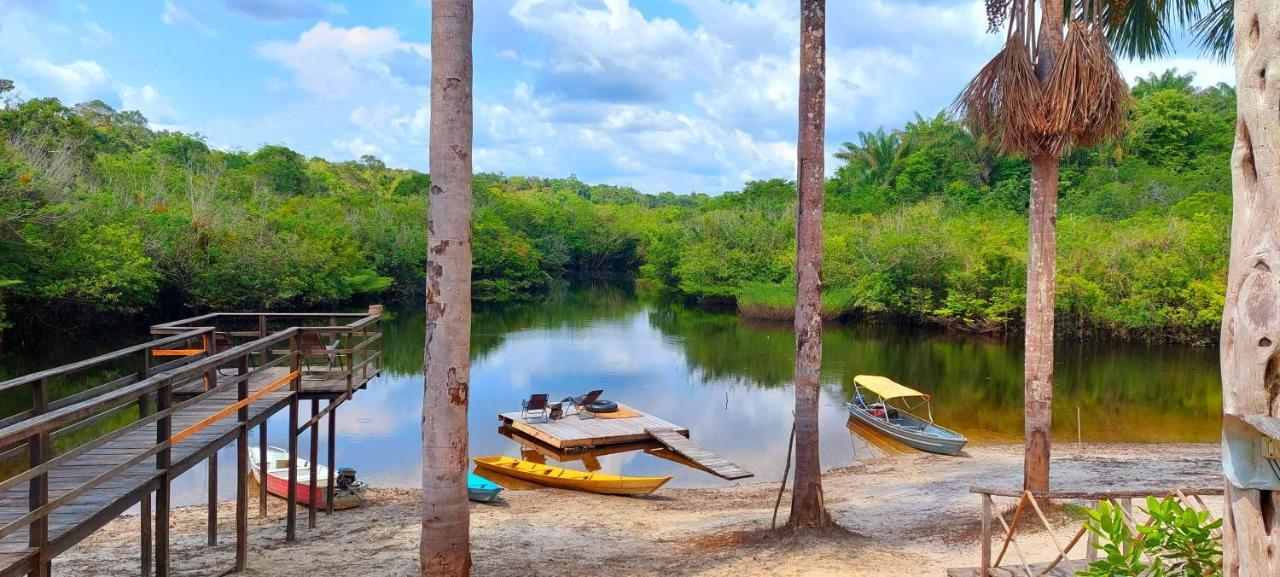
898,422
562,478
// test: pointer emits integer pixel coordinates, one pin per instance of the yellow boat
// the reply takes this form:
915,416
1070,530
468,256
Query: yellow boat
570,479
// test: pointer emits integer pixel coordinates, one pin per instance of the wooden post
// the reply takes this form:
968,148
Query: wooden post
164,430
242,472
291,504
38,496
315,449
263,357
213,498
985,565
144,506
333,414
262,469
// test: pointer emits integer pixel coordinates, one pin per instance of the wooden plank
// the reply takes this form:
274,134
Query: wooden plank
1066,568
705,459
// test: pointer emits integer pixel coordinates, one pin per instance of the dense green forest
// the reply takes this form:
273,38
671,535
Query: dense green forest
101,216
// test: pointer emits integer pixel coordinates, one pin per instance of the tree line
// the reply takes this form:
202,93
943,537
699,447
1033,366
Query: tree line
925,223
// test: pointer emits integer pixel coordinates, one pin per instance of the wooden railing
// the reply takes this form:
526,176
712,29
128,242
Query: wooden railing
1121,498
197,359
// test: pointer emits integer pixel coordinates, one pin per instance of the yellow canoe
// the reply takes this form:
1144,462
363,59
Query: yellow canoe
570,479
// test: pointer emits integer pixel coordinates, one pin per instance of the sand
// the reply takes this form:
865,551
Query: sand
904,515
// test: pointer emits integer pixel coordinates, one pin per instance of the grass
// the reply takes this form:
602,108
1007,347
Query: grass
772,301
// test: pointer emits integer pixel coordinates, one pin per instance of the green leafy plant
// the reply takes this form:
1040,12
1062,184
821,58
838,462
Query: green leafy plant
1177,541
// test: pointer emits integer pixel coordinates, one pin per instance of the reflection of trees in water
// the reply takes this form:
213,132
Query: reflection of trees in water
1124,391
564,306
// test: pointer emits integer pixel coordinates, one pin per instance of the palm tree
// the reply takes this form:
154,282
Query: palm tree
876,155
445,549
807,510
1054,85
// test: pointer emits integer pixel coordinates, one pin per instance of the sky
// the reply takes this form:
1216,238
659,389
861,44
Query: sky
662,95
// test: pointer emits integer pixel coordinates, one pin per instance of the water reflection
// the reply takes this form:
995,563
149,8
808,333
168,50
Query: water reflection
728,381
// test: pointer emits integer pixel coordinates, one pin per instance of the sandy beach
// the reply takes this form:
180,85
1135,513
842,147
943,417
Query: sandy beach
904,515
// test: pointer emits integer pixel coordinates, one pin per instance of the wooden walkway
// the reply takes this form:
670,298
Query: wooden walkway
1062,569
208,394
711,462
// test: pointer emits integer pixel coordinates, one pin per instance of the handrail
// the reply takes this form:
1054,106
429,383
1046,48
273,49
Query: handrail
1120,493
46,419
191,333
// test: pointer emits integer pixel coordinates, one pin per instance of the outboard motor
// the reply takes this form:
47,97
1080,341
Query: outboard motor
346,480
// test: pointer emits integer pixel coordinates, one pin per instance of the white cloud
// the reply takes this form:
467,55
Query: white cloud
75,81
356,147
176,16
149,102
97,36
333,62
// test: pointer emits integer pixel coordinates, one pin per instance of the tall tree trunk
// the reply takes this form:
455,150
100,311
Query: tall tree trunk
807,509
1250,344
445,548
1042,267
1041,287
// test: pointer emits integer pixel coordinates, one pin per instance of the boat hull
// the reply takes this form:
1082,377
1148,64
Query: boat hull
277,483
481,490
916,439
569,479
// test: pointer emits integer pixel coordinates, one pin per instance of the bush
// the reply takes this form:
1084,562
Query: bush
1178,541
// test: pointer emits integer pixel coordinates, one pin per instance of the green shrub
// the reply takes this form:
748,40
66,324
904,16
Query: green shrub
1178,541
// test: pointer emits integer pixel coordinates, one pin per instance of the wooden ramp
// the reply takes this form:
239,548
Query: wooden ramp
1066,568
713,463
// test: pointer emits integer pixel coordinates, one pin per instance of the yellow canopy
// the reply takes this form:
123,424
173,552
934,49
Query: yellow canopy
886,388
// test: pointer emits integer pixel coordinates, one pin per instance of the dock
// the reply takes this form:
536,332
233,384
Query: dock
203,384
573,436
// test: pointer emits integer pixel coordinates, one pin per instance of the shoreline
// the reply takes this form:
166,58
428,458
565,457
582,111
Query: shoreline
904,515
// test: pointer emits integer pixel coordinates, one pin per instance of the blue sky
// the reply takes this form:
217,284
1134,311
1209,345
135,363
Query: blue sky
680,95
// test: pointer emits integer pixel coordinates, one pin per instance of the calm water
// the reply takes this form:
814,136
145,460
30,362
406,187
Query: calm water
727,380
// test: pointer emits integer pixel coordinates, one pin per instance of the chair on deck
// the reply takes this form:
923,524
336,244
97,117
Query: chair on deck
314,347
582,403
537,403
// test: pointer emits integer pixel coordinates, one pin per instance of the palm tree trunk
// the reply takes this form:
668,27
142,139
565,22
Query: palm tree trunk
1041,286
444,548
807,510
1251,323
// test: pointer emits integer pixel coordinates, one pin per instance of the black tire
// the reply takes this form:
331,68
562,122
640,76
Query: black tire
603,406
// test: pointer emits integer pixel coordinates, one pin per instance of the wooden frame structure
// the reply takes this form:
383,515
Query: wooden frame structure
186,410
1062,564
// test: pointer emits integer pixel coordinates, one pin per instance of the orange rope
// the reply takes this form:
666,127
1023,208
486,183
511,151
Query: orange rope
205,422
176,352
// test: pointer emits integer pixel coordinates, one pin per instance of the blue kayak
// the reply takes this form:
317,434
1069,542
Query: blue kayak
481,489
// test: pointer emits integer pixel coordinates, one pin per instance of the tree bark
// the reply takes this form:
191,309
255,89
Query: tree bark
445,548
1250,344
807,509
1041,288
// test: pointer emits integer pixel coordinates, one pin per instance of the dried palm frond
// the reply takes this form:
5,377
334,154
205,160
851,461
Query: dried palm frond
1086,100
1003,100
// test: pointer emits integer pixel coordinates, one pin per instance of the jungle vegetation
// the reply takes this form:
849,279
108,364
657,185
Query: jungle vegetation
102,216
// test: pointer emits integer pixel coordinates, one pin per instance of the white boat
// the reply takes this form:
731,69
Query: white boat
346,494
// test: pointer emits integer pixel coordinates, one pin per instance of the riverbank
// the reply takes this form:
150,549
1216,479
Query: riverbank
906,515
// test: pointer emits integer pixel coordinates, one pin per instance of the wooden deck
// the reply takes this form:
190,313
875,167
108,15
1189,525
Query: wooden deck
576,438
573,433
89,512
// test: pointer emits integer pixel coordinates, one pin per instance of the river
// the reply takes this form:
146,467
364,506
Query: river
727,380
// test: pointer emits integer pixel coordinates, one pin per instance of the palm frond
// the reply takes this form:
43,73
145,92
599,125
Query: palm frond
1216,32
1086,100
